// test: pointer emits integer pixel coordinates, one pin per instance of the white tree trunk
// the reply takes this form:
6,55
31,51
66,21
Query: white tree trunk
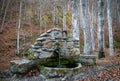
91,22
92,27
64,18
100,28
87,39
54,14
40,16
109,18
19,23
75,21
3,21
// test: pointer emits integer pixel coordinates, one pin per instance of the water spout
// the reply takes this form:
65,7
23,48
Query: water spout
57,53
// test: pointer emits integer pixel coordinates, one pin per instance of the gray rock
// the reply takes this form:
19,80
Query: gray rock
41,39
68,47
48,44
35,47
74,52
70,44
86,59
45,54
44,35
21,66
52,72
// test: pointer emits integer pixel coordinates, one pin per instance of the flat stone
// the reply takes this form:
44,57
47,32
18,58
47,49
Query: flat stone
56,34
35,47
48,31
41,39
69,40
48,44
21,66
86,59
43,34
19,62
56,29
70,44
45,54
88,56
38,50
47,50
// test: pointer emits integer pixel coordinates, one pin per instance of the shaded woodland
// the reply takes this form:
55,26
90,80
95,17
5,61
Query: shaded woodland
94,23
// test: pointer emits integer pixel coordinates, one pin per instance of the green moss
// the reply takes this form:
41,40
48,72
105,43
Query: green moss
14,68
61,71
25,52
41,68
76,70
65,63
57,51
58,45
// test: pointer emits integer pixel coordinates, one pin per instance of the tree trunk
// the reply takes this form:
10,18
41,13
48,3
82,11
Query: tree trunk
19,24
92,27
54,14
100,29
2,6
40,17
87,39
118,9
64,18
3,21
109,18
75,21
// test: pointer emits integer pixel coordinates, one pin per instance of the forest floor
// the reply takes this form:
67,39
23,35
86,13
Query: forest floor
8,46
106,69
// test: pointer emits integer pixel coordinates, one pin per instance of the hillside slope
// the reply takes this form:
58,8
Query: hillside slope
9,36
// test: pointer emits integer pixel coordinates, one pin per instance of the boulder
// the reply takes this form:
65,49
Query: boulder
21,66
86,59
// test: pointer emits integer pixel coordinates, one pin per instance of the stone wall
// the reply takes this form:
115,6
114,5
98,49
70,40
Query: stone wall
47,42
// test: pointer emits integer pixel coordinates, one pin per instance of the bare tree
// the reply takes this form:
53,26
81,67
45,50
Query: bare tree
40,16
75,21
92,26
100,28
109,18
2,6
64,18
118,9
87,40
19,24
3,21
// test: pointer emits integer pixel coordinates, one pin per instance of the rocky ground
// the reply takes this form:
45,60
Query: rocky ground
106,69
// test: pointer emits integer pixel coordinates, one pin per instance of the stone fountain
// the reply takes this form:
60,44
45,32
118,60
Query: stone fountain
54,46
